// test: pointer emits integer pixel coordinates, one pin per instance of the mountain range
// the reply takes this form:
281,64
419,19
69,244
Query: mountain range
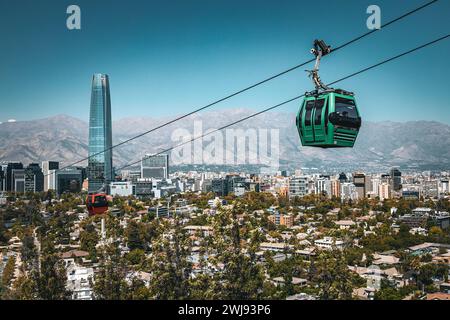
380,145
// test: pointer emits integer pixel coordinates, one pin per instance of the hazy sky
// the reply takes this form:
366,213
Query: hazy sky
169,57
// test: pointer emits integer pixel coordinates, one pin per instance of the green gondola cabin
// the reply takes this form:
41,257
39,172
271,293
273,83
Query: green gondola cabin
329,119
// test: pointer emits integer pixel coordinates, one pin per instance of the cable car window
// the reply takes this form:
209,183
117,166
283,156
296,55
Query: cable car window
346,108
318,114
100,200
309,107
299,118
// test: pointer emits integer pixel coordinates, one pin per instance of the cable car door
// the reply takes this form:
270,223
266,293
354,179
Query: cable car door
317,120
307,120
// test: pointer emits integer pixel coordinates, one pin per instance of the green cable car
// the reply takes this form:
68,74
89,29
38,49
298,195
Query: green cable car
328,118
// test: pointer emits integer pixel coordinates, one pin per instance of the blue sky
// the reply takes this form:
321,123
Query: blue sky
168,57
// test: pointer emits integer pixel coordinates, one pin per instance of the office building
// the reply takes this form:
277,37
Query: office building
100,169
359,180
34,178
219,187
46,167
155,167
121,188
8,179
66,180
410,195
18,180
342,177
236,184
2,178
396,179
143,188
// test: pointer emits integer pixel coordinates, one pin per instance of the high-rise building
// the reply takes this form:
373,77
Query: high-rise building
235,183
34,178
384,191
8,178
2,177
396,179
156,167
359,180
46,167
298,186
18,180
342,177
445,186
322,186
348,191
100,169
220,187
368,180
386,178
335,188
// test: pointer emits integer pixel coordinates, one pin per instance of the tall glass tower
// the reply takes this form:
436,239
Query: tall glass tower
100,170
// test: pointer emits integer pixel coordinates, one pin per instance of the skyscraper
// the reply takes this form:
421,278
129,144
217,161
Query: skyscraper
100,170
396,179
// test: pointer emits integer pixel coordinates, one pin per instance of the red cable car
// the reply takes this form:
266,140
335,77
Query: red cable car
96,203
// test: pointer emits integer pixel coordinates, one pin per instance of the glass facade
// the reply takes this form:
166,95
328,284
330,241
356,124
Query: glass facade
100,170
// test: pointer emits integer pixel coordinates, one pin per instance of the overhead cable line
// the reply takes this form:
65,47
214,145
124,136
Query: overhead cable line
247,88
290,100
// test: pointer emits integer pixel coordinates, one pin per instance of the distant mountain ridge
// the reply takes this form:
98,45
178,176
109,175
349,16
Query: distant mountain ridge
421,144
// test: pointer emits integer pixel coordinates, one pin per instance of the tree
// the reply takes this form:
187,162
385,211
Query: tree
388,293
8,273
51,278
88,241
137,290
136,257
24,288
134,236
110,282
170,264
4,237
29,253
332,276
241,277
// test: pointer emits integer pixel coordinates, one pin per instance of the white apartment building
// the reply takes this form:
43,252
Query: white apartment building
329,243
78,282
